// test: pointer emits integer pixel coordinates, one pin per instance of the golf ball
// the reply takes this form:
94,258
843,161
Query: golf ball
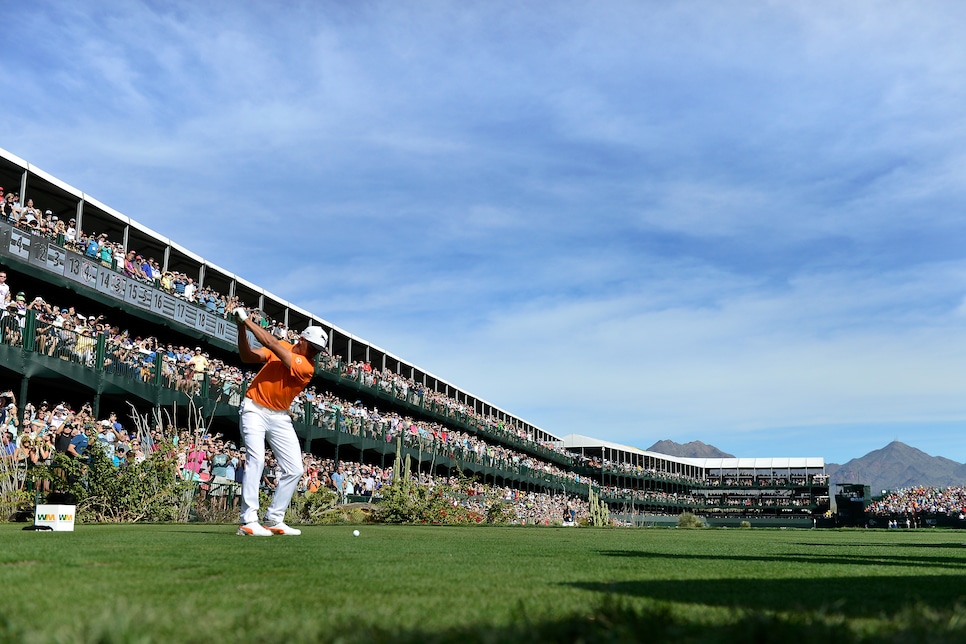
355,533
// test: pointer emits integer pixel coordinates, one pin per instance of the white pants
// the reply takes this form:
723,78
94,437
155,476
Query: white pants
259,424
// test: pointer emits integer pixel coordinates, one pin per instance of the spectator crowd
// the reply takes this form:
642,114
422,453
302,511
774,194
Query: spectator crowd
64,332
33,437
949,501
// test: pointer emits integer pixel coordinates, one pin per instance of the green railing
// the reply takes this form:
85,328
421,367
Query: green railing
334,425
805,506
819,481
96,353
417,401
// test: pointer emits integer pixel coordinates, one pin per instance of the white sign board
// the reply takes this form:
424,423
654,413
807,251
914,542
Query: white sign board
60,518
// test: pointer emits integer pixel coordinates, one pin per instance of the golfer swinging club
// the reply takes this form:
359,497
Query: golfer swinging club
264,416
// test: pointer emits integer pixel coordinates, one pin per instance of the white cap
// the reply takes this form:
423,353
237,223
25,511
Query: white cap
315,336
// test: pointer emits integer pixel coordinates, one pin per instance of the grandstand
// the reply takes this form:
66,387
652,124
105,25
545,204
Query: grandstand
131,305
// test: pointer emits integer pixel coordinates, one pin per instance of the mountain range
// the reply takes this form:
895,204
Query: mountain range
694,449
894,466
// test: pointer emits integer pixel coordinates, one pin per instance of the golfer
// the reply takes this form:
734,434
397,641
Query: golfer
265,416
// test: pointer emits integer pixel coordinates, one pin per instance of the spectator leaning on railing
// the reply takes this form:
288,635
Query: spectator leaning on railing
137,358
212,454
99,247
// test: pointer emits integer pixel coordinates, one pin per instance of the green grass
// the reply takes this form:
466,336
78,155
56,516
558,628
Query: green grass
402,583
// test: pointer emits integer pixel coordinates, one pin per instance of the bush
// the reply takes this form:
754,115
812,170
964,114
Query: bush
340,515
152,490
402,504
217,508
12,498
422,505
312,507
689,520
500,512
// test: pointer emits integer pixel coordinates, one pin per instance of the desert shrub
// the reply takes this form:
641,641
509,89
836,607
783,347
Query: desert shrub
347,515
407,502
419,504
12,497
152,490
689,520
312,507
599,512
402,503
500,512
443,507
213,508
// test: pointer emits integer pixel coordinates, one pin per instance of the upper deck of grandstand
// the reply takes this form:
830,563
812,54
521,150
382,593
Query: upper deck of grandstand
631,460
65,265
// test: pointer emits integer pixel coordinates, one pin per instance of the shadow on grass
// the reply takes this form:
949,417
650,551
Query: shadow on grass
614,619
960,545
876,560
610,620
849,597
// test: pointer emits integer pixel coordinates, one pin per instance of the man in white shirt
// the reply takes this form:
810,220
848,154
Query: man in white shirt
4,289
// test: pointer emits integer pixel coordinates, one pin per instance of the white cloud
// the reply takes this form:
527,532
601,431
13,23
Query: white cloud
624,220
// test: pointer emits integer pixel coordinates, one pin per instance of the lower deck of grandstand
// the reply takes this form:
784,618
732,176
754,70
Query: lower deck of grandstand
126,361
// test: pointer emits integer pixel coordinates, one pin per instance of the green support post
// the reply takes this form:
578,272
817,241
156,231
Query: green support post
338,433
100,352
23,391
30,331
309,423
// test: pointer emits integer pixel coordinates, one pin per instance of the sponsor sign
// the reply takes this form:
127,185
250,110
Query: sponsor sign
46,255
59,518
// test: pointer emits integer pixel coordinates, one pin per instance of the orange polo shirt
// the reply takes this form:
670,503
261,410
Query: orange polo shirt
275,386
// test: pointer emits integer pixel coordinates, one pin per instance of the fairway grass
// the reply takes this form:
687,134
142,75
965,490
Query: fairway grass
202,583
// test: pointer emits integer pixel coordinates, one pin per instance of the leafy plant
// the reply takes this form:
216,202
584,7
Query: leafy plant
346,515
12,497
312,507
403,501
689,520
500,512
152,490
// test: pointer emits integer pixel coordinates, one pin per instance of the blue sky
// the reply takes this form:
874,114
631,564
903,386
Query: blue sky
734,222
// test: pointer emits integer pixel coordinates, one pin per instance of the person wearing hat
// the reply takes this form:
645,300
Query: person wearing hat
198,364
14,332
58,229
264,416
131,269
93,246
107,437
